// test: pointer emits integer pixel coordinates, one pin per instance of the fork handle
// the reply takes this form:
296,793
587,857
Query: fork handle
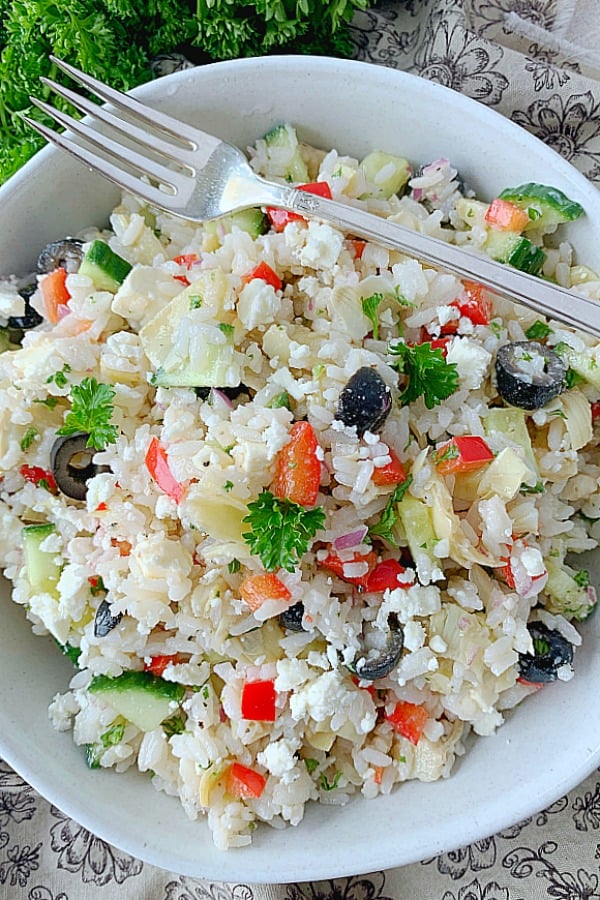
542,296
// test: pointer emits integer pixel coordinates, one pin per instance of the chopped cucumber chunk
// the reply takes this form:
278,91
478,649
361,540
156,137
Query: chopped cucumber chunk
41,566
586,363
105,267
283,152
388,174
140,697
252,221
516,250
547,206
417,520
565,594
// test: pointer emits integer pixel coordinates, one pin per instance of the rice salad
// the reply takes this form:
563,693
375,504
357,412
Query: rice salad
301,510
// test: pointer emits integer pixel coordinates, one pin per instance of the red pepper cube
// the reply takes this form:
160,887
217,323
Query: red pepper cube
298,467
340,567
255,589
391,474
474,303
264,272
503,215
385,576
462,454
258,701
409,720
157,464
37,475
244,783
158,664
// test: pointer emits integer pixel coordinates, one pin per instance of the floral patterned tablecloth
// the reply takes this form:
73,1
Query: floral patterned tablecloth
537,62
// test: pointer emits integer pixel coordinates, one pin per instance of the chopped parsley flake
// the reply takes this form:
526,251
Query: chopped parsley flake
429,375
91,412
281,531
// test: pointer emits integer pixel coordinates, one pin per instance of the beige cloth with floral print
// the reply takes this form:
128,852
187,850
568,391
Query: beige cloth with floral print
536,62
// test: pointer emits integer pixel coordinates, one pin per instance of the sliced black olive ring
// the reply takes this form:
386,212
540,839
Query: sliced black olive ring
365,401
72,465
371,666
104,621
291,618
551,651
66,254
534,389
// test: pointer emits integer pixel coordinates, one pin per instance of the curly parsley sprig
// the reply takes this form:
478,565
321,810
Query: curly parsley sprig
429,374
281,531
91,412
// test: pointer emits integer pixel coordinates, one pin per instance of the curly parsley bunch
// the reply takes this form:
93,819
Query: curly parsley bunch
115,40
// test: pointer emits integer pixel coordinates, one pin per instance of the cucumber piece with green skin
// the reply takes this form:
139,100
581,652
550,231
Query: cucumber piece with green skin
547,206
516,250
41,566
212,368
387,173
140,697
417,521
252,221
284,154
586,363
106,268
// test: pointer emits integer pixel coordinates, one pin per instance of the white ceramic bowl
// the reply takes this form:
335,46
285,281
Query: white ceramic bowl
548,745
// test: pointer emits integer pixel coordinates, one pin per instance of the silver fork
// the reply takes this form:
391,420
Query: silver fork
196,176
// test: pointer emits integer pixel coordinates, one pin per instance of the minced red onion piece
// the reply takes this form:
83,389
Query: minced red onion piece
353,539
222,397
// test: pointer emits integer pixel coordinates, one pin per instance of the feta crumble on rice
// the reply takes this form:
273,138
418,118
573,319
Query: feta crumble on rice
412,601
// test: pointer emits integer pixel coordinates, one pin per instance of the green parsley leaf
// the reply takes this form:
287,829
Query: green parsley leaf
369,308
279,401
582,578
234,566
60,378
28,438
195,301
228,486
91,412
429,375
329,786
311,764
50,402
281,530
174,725
573,378
385,527
537,488
538,331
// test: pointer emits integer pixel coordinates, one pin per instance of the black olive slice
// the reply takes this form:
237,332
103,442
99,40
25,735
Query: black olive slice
551,651
17,325
291,618
104,620
72,466
232,392
365,401
372,666
529,375
66,254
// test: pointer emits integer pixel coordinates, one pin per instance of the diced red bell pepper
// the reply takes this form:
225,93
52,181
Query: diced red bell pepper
384,576
409,720
258,701
595,410
158,664
55,295
369,688
335,564
264,272
157,464
440,343
392,473
244,783
359,247
183,279
279,218
255,589
462,454
186,259
39,476
503,215
298,468
475,303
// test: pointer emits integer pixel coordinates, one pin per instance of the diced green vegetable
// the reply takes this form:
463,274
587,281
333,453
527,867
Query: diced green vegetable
105,267
211,368
515,250
93,753
547,206
417,521
283,151
387,173
567,592
41,567
586,364
252,221
140,697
